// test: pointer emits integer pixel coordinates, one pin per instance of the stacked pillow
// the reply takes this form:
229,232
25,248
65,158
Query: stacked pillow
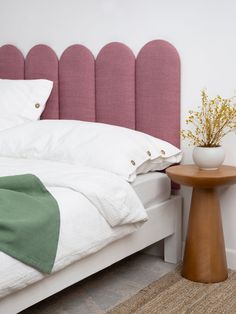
22,100
122,151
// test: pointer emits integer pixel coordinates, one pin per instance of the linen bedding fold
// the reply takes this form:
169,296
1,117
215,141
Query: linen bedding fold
113,197
90,202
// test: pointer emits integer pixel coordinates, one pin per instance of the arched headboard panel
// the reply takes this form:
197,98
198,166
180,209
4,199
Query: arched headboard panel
11,63
158,91
41,62
115,88
115,85
77,84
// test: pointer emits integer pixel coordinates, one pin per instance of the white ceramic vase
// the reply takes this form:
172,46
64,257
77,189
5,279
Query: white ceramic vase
208,158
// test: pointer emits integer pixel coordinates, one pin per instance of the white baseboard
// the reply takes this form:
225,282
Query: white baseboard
230,256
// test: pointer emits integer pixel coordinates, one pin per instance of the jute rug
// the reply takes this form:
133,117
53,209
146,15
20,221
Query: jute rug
173,294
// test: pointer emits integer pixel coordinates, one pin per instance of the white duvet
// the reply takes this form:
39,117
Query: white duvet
96,208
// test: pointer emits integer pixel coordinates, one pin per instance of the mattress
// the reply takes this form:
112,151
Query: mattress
152,187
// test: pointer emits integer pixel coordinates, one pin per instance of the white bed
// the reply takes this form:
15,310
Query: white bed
152,187
141,94
169,213
91,230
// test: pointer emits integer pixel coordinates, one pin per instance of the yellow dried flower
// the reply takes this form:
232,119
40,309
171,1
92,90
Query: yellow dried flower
215,119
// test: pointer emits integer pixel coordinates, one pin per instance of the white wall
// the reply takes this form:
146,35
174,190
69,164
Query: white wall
203,31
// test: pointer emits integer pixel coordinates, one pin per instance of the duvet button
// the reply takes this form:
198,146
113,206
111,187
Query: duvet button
37,106
132,162
163,152
149,153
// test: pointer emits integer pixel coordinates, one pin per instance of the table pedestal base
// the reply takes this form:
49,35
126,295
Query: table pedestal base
204,257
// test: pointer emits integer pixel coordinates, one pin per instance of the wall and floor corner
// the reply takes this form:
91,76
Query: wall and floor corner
202,31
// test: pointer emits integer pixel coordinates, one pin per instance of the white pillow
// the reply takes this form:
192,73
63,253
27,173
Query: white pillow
11,121
115,149
25,98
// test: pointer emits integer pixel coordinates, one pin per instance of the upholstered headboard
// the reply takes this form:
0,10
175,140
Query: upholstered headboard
116,88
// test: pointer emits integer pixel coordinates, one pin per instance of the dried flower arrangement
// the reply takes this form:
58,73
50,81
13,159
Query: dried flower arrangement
216,118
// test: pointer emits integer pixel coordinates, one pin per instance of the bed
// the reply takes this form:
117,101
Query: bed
140,93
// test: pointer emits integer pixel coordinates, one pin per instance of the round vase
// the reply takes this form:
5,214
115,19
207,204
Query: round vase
208,158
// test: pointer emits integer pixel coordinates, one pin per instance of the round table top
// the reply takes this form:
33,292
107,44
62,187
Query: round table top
191,175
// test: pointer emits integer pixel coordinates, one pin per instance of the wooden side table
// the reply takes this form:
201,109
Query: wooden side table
204,256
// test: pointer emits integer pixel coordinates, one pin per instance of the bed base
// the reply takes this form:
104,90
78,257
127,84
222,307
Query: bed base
164,223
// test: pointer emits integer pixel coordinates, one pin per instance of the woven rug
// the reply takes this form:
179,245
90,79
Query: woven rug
174,294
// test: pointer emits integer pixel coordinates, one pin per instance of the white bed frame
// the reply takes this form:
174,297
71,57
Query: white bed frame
165,222
157,71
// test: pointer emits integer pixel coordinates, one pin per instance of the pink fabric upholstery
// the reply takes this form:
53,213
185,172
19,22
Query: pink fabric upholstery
42,62
152,98
11,63
158,91
77,84
115,85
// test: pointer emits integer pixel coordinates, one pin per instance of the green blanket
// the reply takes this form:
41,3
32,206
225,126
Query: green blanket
29,221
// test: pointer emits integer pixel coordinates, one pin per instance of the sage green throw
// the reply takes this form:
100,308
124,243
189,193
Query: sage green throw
29,221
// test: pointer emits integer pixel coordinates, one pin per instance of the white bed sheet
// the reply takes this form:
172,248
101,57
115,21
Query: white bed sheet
90,227
84,228
152,187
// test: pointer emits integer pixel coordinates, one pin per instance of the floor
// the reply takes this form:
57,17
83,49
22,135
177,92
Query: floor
102,291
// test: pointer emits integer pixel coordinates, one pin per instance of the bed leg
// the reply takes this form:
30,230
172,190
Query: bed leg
156,249
173,243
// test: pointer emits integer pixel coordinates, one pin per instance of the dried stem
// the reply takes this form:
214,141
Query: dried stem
216,118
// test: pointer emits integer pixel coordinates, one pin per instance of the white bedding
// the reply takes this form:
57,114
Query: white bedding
152,187
96,208
112,148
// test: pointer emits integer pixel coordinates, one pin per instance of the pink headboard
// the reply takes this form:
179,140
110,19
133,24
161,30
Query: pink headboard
116,88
